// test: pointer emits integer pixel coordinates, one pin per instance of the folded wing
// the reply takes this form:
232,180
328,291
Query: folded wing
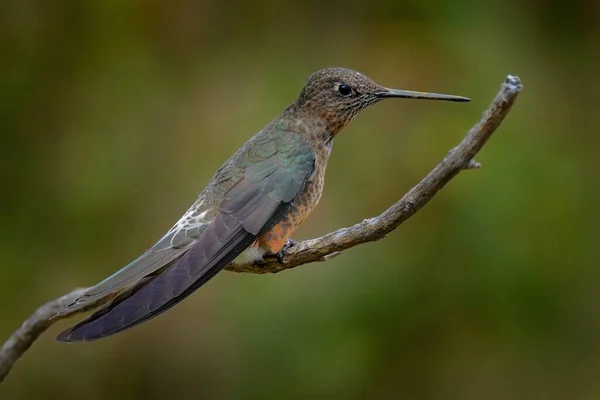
275,171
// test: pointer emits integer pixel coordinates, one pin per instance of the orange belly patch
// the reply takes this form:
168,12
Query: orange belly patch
277,237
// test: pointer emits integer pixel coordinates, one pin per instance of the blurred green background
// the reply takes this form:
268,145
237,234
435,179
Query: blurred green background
115,114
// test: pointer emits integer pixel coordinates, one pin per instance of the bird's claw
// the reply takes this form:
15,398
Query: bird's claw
281,253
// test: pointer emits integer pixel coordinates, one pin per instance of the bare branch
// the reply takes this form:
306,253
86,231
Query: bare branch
319,249
32,328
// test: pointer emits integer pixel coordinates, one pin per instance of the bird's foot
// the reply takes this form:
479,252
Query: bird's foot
281,253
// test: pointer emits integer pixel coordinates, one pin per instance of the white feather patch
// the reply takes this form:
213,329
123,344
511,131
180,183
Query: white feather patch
250,255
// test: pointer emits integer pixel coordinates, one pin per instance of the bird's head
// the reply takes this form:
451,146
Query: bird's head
336,95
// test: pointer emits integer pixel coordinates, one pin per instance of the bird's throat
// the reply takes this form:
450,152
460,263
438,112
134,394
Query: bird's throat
334,122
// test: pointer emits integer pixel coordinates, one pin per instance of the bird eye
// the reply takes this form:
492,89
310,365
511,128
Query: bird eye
344,90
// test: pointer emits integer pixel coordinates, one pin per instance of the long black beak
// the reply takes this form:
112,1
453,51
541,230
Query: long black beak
407,94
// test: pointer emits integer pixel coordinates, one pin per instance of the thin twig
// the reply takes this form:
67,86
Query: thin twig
319,249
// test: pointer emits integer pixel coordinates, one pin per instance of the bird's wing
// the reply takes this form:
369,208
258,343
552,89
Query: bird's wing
275,170
168,249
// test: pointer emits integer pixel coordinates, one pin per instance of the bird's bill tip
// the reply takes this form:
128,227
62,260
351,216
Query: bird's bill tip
409,94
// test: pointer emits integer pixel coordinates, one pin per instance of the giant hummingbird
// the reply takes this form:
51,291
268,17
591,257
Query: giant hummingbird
251,206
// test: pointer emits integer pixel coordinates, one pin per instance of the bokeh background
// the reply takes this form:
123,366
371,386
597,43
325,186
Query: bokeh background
115,114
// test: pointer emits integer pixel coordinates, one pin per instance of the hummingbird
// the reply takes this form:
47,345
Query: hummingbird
249,209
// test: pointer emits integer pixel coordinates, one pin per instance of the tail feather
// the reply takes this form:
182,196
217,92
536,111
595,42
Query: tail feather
69,335
156,294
